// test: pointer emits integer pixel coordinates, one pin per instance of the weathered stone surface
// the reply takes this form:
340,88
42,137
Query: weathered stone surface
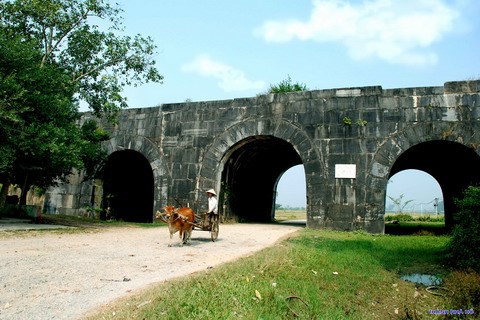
241,147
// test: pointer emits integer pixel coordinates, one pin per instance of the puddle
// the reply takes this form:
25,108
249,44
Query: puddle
425,279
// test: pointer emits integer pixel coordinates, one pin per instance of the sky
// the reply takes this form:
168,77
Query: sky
415,186
224,49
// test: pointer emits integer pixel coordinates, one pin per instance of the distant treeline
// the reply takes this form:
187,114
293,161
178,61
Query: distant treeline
282,207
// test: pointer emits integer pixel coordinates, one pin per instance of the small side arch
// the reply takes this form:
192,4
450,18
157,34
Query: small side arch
447,151
152,154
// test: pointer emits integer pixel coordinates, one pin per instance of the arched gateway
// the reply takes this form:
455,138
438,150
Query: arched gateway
349,140
127,187
453,162
249,158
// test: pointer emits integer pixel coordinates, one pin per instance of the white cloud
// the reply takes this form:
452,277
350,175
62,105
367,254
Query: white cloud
395,31
230,79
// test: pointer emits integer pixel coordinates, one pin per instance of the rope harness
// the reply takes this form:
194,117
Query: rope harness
169,219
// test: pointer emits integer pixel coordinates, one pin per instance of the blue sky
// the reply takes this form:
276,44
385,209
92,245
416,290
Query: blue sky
213,50
417,186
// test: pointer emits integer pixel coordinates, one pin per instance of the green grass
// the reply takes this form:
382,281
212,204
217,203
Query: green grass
416,228
415,217
312,275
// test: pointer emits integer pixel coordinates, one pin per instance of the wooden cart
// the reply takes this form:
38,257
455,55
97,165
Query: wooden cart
210,225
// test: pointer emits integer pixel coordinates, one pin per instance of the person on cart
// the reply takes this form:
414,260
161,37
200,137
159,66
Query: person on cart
212,206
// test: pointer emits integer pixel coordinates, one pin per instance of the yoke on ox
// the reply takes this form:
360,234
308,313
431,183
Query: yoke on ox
178,219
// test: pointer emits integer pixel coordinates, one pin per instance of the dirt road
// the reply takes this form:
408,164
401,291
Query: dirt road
52,275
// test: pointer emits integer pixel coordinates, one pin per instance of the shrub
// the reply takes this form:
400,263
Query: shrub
399,217
287,86
465,241
431,219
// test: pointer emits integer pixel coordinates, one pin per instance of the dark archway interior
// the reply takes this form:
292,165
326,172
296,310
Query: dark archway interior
452,164
250,176
128,186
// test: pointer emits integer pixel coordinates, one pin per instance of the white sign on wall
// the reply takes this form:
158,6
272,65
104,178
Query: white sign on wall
345,171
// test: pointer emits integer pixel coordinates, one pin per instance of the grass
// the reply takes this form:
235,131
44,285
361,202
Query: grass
286,214
403,224
316,274
414,217
416,228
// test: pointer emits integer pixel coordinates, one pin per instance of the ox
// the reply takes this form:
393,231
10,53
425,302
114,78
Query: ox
178,219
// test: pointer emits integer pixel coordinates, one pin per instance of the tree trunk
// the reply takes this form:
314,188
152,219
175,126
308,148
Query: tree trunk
23,195
3,194
25,188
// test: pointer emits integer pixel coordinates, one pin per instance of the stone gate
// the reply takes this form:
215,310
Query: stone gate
350,141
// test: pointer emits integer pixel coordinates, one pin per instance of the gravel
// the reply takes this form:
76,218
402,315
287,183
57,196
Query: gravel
51,275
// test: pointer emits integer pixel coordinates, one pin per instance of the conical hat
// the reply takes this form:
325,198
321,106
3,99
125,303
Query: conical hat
212,192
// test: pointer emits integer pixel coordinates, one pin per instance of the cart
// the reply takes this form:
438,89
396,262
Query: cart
211,224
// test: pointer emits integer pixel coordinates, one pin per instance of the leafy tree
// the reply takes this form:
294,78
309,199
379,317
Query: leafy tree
52,57
287,86
40,141
465,241
99,63
92,155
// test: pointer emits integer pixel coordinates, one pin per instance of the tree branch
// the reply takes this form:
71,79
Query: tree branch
99,67
48,52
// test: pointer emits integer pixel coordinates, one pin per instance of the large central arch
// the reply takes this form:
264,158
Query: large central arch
251,173
247,176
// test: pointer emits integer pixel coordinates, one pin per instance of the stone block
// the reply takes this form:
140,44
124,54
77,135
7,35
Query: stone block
462,86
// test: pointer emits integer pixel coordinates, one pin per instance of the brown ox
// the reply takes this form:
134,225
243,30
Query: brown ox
178,219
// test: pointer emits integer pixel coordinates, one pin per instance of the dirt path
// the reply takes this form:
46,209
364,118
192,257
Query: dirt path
63,276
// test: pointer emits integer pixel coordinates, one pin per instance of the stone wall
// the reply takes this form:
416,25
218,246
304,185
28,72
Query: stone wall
190,145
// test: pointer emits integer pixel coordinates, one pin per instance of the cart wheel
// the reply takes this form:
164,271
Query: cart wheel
214,230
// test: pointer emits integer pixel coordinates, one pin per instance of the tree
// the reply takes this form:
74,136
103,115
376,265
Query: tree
52,57
99,63
287,86
40,141
465,240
